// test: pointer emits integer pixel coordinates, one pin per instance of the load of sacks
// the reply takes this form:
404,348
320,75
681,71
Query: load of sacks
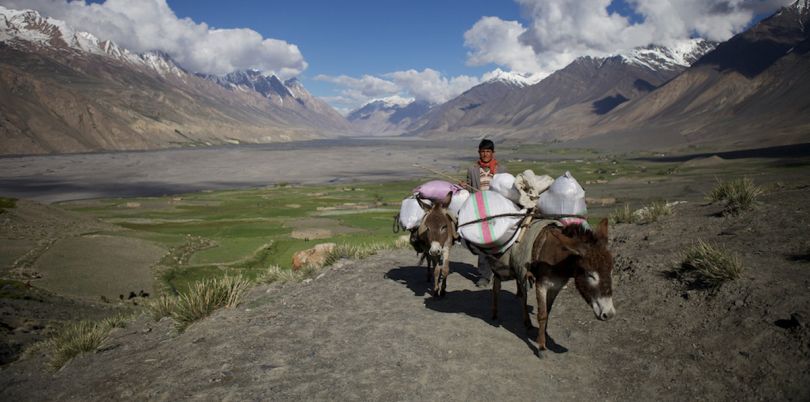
490,221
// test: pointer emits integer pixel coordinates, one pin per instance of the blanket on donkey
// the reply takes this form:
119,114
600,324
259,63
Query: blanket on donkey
515,263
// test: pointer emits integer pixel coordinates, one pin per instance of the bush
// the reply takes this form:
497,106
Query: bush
7,203
707,265
738,195
274,273
621,215
80,337
647,214
204,297
161,307
653,212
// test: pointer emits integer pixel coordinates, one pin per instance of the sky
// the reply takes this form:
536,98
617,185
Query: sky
352,52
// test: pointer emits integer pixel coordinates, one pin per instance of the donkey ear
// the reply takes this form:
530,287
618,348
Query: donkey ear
422,204
602,231
557,248
446,201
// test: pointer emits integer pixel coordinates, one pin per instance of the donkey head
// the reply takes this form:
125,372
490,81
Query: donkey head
437,227
592,266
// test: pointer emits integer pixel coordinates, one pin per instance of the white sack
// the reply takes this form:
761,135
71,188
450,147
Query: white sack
410,213
458,200
491,235
504,184
564,197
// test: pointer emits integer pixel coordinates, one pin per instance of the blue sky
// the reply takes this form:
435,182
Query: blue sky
352,51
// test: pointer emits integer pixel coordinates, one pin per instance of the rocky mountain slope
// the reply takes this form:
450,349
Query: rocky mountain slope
751,90
63,90
562,104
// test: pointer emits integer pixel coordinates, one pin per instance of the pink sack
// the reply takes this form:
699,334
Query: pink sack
436,190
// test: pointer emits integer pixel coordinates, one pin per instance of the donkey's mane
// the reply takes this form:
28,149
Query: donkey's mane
579,231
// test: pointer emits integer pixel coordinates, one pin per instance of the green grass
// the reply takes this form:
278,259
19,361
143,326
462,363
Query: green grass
80,337
708,265
737,195
7,203
622,215
649,213
228,227
204,297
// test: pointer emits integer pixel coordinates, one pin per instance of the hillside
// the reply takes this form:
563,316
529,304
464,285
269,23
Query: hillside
367,330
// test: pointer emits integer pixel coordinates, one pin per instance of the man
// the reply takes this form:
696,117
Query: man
479,175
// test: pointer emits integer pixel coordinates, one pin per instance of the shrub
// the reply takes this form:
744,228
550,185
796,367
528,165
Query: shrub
710,266
621,215
653,212
274,273
204,297
161,307
80,337
7,203
738,195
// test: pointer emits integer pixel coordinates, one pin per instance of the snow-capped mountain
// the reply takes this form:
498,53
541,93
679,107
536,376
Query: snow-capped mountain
675,57
387,116
581,92
63,90
27,27
510,77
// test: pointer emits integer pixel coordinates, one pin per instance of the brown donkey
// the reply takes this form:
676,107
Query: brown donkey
433,239
548,257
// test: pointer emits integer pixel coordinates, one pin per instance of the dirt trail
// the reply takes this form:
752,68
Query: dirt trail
367,330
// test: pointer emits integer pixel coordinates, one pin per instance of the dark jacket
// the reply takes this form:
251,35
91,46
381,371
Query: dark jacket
474,178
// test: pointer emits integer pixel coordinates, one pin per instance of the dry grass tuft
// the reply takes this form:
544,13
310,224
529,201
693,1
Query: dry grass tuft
738,195
80,337
161,307
653,212
649,213
621,215
206,296
707,265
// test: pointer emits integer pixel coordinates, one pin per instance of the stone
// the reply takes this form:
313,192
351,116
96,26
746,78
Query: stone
314,257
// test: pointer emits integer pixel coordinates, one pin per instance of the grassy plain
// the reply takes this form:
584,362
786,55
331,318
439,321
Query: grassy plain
210,234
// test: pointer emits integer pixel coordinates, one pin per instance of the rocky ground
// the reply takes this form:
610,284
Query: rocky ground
368,330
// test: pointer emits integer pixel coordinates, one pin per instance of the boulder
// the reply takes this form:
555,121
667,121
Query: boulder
313,257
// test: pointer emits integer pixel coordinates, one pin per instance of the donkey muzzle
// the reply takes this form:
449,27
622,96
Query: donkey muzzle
603,308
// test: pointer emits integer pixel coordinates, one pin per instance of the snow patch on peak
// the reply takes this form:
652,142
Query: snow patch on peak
395,100
511,77
801,5
677,55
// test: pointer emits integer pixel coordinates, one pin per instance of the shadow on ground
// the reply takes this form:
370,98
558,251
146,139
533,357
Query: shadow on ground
474,303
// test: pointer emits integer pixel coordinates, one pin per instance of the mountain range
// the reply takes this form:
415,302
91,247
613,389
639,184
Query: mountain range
63,90
67,91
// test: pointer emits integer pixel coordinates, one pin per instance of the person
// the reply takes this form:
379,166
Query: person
479,175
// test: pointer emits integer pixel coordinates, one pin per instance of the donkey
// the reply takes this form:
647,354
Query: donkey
550,256
433,239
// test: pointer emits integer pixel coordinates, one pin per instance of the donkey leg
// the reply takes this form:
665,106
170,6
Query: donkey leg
445,267
542,315
429,269
524,299
437,277
496,289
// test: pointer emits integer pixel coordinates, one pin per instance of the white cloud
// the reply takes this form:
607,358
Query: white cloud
559,31
494,40
432,86
428,85
145,25
367,86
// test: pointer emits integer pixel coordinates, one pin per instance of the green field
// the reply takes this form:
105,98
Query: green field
245,231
